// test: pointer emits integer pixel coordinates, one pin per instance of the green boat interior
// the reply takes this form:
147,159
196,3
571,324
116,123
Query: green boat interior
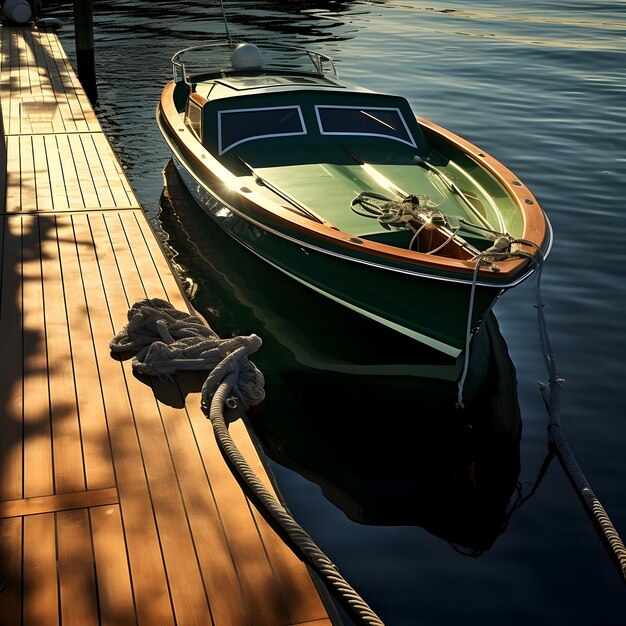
351,157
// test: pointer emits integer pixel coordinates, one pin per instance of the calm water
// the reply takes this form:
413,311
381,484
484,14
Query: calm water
542,87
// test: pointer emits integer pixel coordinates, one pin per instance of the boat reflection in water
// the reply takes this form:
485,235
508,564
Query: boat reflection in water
366,413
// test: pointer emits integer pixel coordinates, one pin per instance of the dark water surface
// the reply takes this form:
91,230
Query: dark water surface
542,87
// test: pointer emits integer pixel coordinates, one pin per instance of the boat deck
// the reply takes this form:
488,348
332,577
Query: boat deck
116,506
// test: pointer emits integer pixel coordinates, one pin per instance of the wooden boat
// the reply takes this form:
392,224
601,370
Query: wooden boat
348,192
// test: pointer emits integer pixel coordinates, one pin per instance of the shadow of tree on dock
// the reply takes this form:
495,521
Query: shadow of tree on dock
47,441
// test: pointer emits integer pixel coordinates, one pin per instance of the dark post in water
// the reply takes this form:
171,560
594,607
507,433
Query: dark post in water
85,56
35,8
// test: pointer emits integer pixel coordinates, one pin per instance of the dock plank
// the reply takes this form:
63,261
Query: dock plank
144,551
115,592
116,179
257,578
14,84
96,449
184,577
155,274
42,173
58,63
72,169
38,455
11,571
5,83
63,502
77,583
66,435
27,173
65,120
99,178
58,189
13,178
74,172
226,597
41,602
11,399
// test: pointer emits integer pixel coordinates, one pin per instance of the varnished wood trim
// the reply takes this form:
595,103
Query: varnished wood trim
198,99
61,502
534,221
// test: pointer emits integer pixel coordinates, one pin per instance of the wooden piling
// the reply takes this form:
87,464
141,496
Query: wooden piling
35,7
85,50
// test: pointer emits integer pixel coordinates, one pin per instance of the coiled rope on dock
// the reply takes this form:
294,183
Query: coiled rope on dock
167,340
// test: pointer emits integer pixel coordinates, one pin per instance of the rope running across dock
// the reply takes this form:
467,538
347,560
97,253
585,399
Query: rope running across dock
167,340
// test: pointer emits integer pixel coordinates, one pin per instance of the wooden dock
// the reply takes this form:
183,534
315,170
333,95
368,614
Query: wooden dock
115,507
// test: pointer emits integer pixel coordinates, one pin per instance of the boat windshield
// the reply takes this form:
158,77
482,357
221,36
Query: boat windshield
239,125
369,121
216,58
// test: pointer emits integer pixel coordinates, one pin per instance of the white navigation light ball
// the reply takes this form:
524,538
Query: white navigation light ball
17,11
246,57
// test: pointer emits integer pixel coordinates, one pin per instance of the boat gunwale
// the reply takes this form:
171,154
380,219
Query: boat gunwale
535,221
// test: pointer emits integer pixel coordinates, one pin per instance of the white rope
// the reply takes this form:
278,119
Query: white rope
311,552
168,340
468,338
498,251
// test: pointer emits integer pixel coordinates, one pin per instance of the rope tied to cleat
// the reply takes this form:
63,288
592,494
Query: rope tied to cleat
417,213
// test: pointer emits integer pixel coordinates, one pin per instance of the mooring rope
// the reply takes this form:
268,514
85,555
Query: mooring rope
317,559
468,338
500,250
167,340
552,397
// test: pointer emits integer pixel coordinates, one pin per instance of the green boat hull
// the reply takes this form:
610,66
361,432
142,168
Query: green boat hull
346,191
432,309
